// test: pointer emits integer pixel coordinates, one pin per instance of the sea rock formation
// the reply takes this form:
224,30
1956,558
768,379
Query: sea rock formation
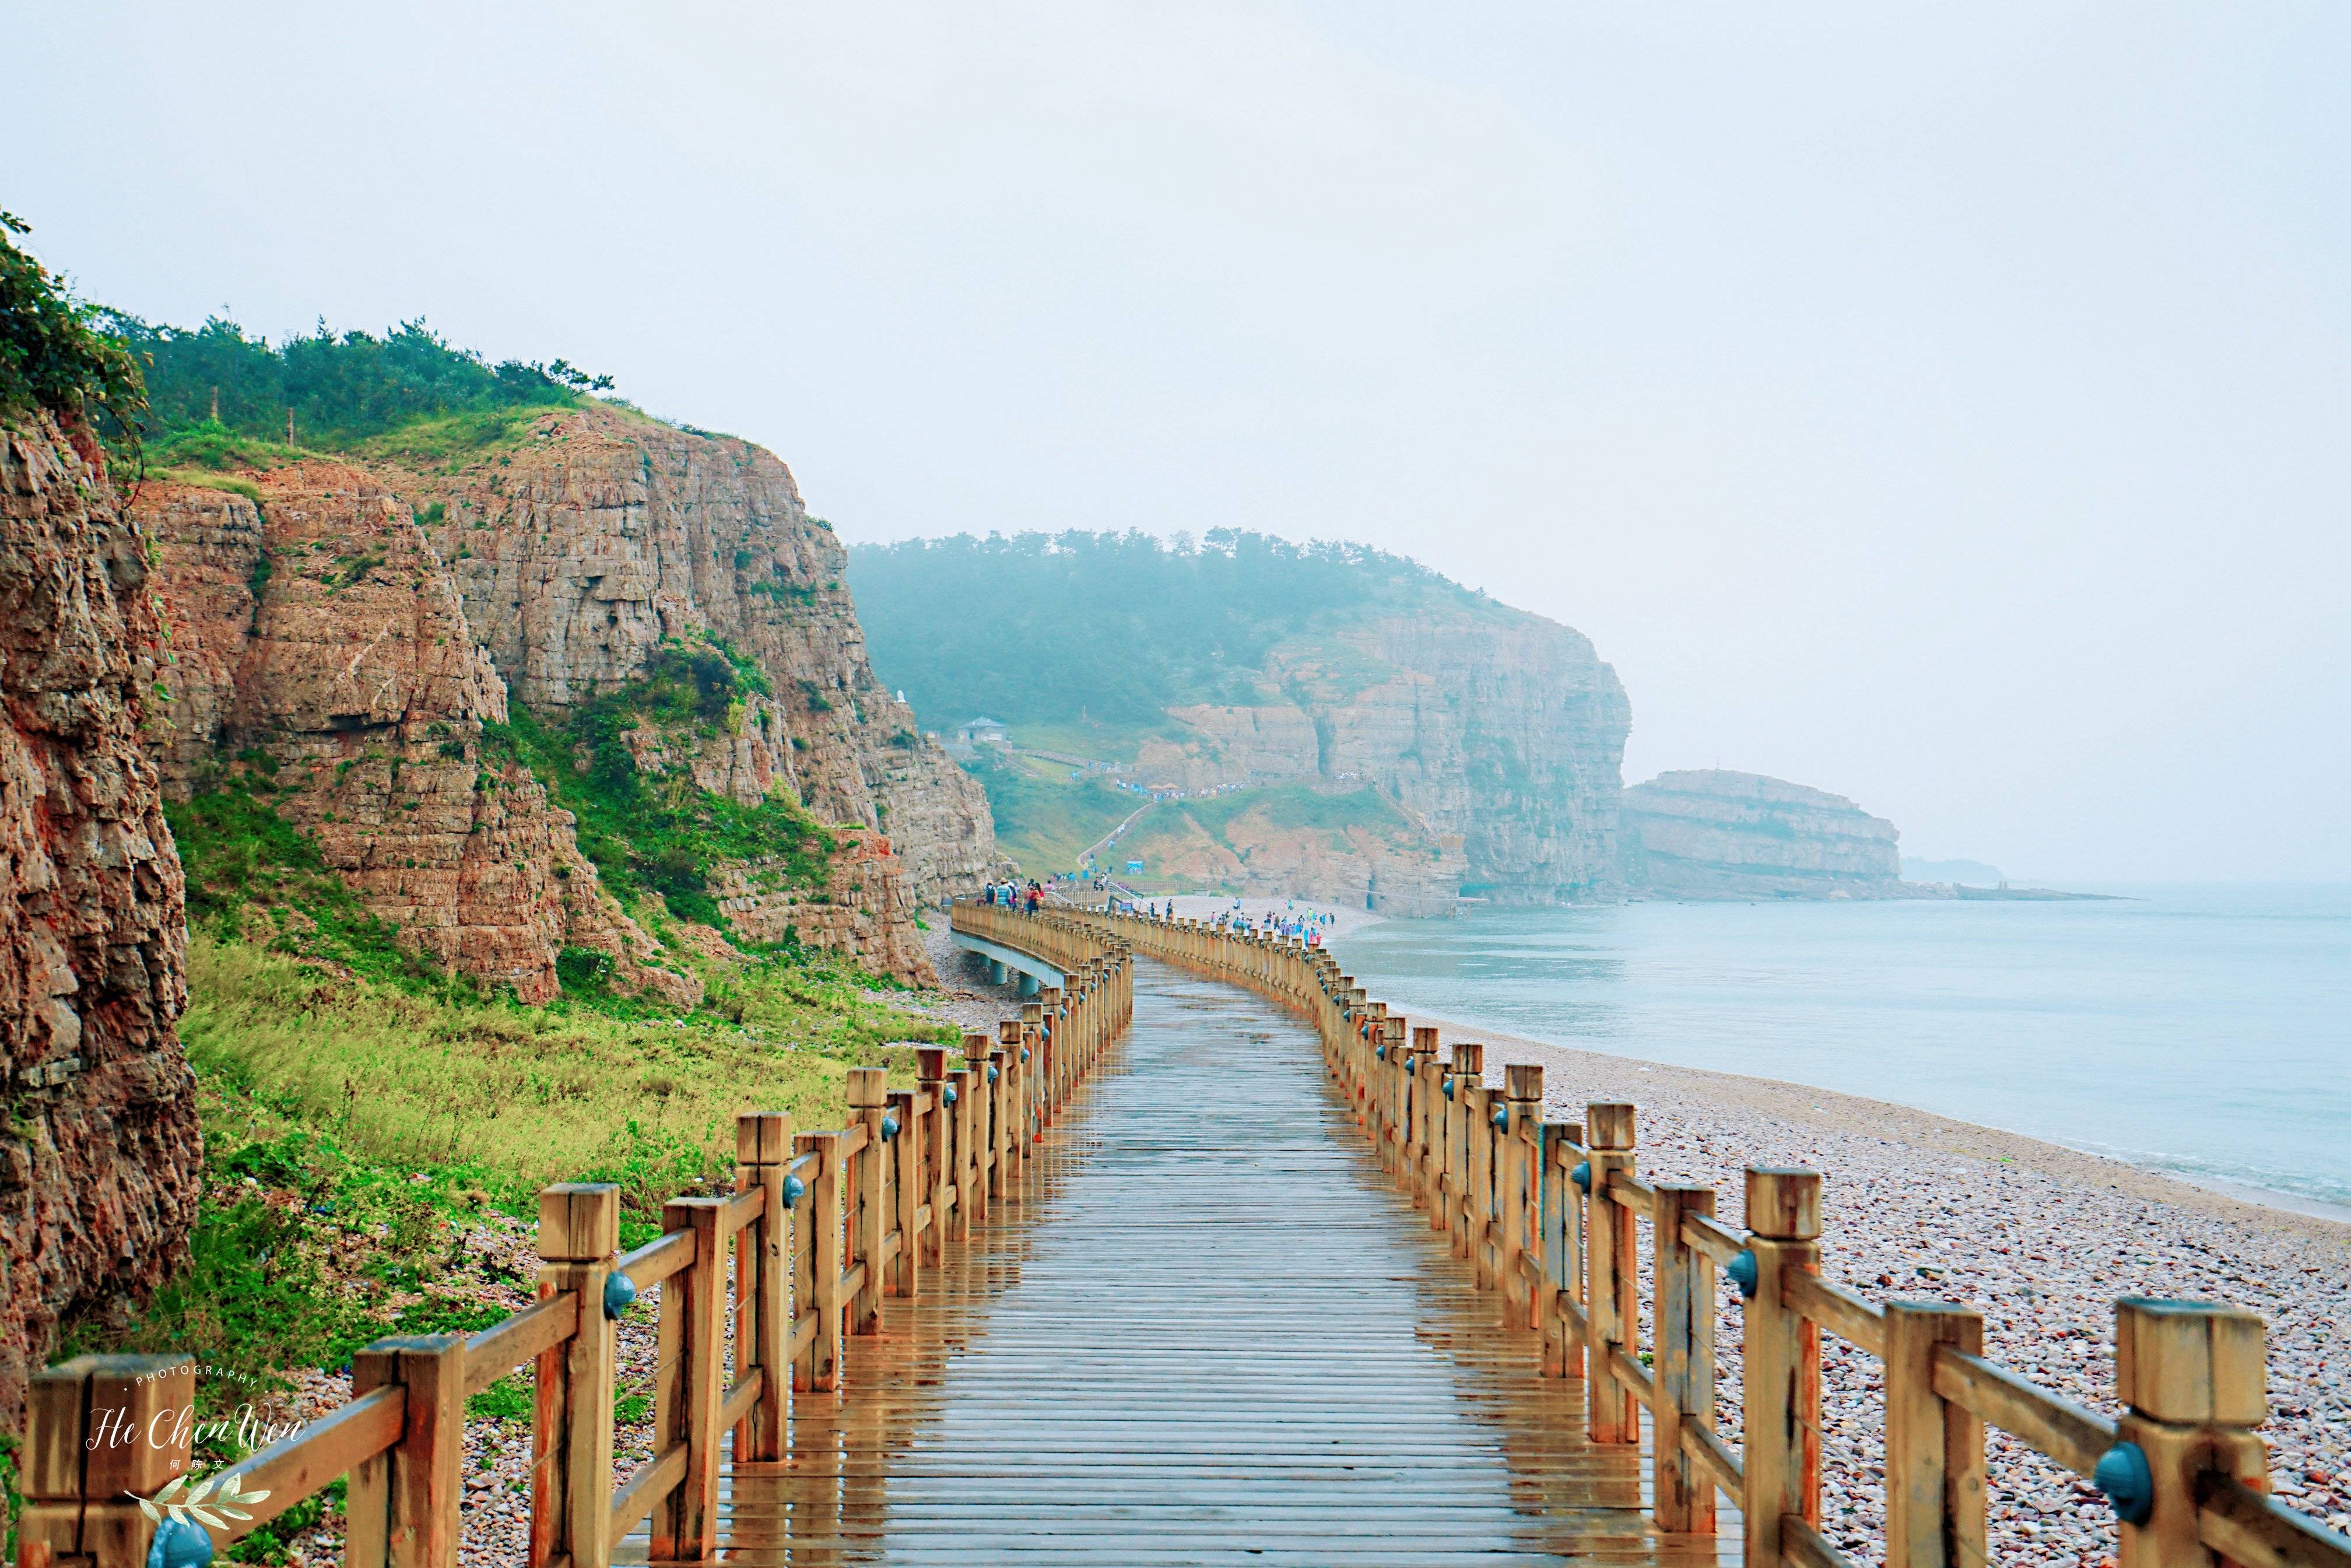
99,1157
359,623
1712,833
1498,731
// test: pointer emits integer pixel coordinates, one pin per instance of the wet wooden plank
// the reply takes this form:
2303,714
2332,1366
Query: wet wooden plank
1210,1330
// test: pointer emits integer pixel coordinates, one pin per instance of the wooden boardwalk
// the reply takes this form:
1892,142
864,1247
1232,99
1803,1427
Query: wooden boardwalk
1222,1310
1212,1332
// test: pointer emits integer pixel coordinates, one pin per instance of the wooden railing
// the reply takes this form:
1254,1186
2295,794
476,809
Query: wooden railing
1550,1214
820,1227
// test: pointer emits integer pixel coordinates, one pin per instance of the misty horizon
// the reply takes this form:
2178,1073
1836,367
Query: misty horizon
1941,410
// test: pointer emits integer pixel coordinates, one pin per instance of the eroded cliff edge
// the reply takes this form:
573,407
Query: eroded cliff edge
99,1157
354,637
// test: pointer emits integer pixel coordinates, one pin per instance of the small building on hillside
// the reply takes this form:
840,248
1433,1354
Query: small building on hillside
983,732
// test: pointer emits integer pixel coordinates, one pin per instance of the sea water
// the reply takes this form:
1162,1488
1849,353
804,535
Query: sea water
2201,1029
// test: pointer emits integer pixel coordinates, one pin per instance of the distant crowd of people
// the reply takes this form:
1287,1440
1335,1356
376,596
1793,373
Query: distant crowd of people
1012,895
1308,925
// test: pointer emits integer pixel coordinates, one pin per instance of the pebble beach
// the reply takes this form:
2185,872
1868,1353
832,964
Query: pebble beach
2040,1240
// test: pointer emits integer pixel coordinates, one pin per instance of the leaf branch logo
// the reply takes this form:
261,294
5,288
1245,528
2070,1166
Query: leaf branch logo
206,1503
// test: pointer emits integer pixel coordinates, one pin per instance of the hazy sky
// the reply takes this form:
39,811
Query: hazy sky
1941,404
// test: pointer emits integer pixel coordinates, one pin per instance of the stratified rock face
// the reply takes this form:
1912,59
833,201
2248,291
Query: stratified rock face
1501,731
99,1155
360,623
606,535
862,910
318,629
1708,833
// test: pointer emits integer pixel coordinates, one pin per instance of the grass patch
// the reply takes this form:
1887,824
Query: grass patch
520,1096
356,1132
213,447
454,437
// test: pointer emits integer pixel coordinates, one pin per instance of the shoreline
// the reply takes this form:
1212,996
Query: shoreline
2195,1191
1836,1110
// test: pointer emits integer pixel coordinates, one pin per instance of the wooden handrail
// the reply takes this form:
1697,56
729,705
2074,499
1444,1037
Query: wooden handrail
2256,1531
657,1259
1717,1241
635,1498
307,1461
1839,1310
2042,1421
1806,1547
1715,1456
508,1343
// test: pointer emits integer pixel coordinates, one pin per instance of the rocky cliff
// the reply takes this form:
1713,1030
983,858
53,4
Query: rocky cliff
1499,732
1710,834
99,1154
359,629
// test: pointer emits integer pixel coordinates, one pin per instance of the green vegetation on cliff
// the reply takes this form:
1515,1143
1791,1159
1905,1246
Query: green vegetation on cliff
1108,629
253,876
659,830
343,388
55,353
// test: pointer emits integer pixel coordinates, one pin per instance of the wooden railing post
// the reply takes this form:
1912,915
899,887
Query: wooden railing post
1001,1085
402,1508
869,1103
1019,1097
691,1384
938,1141
1429,1098
980,1123
99,1430
959,1149
1563,1352
1461,1071
1683,1311
908,1187
1398,1085
818,1370
571,1399
2193,1378
1048,1084
1781,1363
1514,1173
1612,1283
1478,1129
1934,1448
763,1149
